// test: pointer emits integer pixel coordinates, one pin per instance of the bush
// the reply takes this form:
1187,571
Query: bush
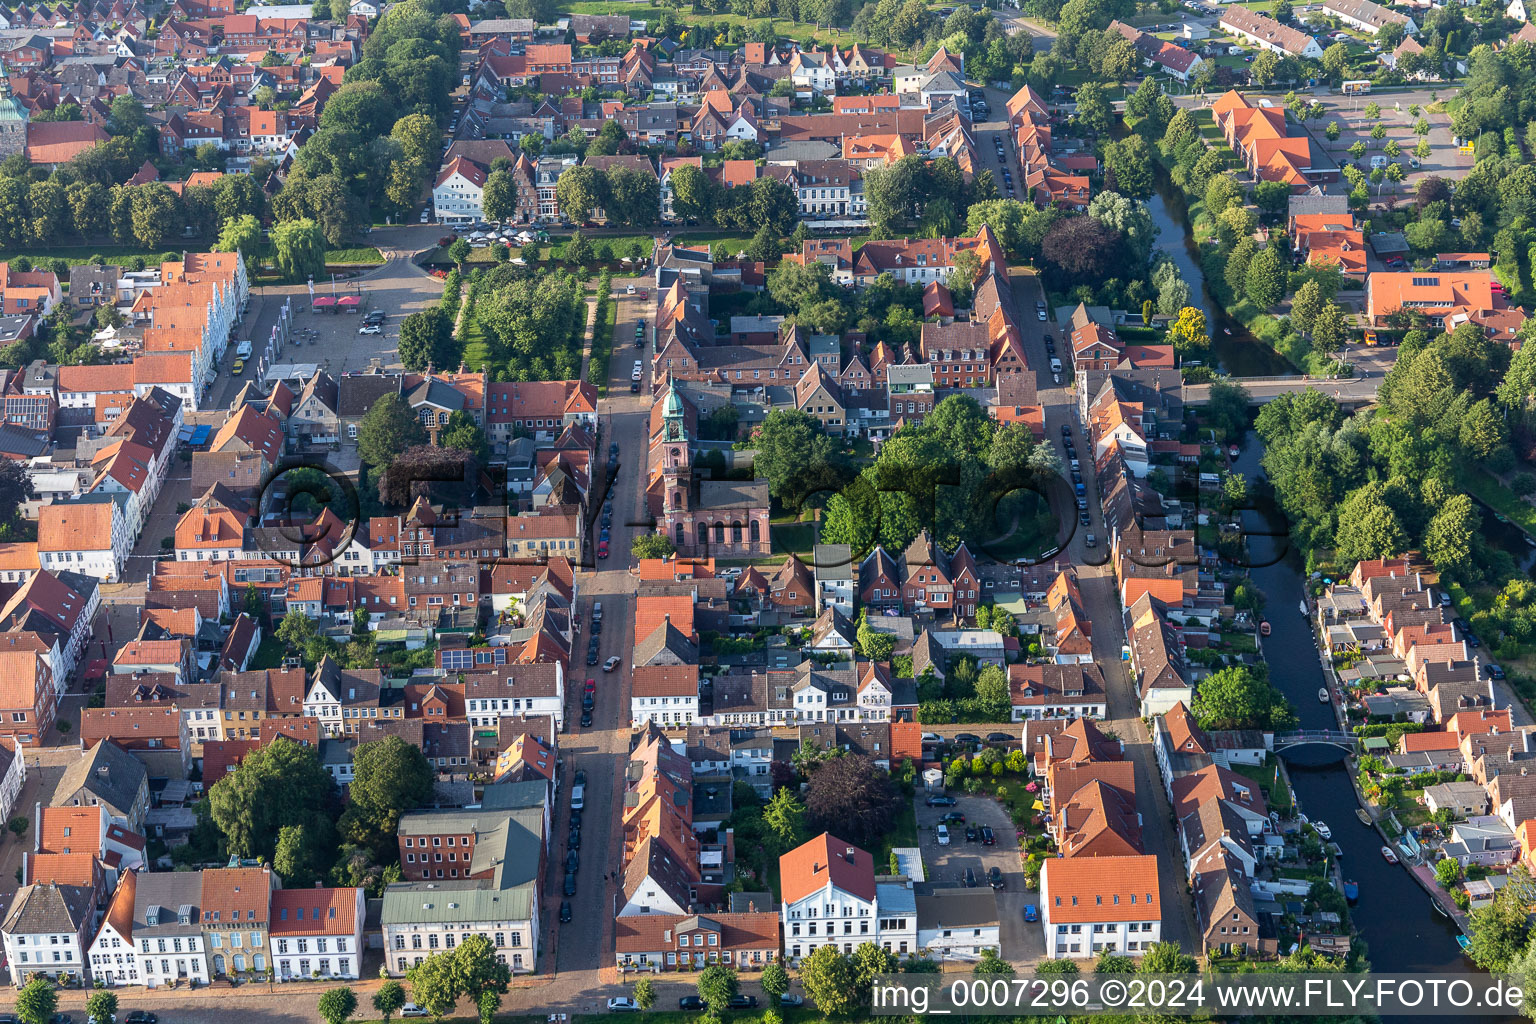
1523,484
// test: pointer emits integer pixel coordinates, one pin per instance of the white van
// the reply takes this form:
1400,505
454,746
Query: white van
243,350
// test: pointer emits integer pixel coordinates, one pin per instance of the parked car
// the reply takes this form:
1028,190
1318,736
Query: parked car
742,1002
688,1002
995,878
1031,915
972,834
942,834
574,839
412,1010
623,1004
370,329
611,664
140,1017
953,818
565,911
578,795
570,883
942,801
586,718
970,878
790,999
602,551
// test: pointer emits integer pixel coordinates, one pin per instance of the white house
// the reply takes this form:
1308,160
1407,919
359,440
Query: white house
958,924
89,535
1089,904
13,773
317,933
422,918
513,691
1268,34
47,930
813,73
459,192
1367,16
665,694
167,934
113,959
829,896
833,565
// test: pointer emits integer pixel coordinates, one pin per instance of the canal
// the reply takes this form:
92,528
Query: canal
1394,915
1238,353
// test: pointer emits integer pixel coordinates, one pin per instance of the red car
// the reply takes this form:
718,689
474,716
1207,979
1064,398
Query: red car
602,549
591,686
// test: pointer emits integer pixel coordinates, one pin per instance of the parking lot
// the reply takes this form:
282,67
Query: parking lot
1021,942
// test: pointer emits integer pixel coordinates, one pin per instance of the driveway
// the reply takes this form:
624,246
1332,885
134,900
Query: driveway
946,865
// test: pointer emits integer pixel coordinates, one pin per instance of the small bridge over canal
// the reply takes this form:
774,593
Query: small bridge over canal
1315,737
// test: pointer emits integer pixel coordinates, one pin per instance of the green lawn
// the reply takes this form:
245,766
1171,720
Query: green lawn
118,254
1487,488
269,654
362,254
791,536
903,833
1268,776
477,350
782,26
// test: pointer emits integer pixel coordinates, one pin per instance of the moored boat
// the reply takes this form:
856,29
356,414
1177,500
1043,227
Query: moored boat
1464,942
1264,628
1322,695
1364,816
1351,890
1388,855
1303,607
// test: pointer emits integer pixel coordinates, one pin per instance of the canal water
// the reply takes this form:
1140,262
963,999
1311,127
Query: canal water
1394,915
1238,353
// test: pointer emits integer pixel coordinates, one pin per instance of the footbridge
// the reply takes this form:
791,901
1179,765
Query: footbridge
1350,392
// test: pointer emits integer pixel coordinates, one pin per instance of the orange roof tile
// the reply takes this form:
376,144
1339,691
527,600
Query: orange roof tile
1085,889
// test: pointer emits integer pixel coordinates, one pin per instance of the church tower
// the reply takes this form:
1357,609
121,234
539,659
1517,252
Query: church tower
676,458
13,118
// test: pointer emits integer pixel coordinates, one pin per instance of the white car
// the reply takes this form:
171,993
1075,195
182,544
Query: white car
611,664
578,796
943,833
1040,313
412,1010
370,329
623,1004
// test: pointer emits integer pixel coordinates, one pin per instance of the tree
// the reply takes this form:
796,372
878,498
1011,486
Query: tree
15,488
1110,962
717,984
1130,161
1332,131
876,646
644,994
1305,306
426,339
487,1005
852,798
465,434
242,235
101,1006
692,196
1369,526
1237,697
775,980
1266,278
499,198
651,545
1079,250
1330,329
827,976
387,429
281,785
1167,958
581,190
390,777
37,1001
790,448
336,1005
388,1000
432,984
1221,192
296,857
1189,332
1093,109
992,696
1447,872
1448,540
298,249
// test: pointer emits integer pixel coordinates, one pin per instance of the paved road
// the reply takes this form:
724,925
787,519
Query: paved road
1096,581
1014,23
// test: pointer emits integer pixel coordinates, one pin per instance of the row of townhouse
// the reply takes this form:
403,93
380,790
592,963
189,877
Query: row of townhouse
167,928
